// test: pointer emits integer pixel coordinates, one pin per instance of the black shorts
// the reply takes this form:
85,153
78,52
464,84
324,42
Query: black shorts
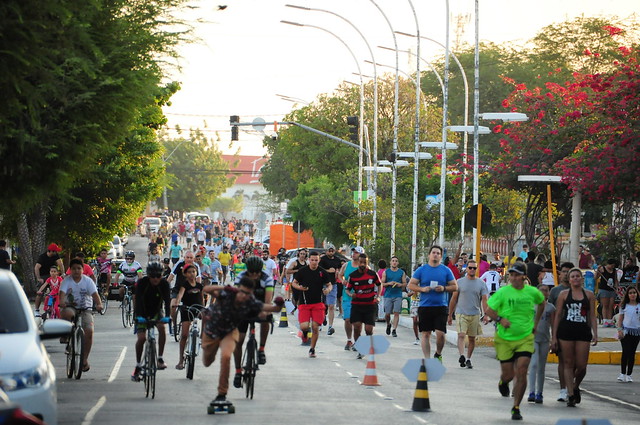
433,319
103,278
364,313
340,287
574,332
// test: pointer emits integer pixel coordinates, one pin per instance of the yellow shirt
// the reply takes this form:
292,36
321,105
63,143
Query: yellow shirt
224,258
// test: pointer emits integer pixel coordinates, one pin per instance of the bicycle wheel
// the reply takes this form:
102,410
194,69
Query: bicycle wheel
249,368
70,356
78,342
177,329
130,312
150,370
191,355
105,303
123,308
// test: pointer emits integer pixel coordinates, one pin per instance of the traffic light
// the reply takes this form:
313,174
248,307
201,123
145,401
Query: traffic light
354,128
234,119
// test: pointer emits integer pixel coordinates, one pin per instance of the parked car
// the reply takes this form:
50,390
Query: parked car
117,247
26,373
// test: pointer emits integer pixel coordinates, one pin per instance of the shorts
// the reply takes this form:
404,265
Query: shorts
392,305
413,312
568,331
346,308
225,269
469,324
364,313
86,317
244,325
174,260
340,287
103,278
309,312
606,293
332,296
433,319
508,351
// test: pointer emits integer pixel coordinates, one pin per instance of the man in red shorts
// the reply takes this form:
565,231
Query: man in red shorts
312,281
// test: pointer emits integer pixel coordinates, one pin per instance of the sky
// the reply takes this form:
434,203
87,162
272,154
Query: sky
243,57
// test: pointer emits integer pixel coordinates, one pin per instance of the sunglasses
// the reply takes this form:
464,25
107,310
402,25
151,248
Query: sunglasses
155,275
472,268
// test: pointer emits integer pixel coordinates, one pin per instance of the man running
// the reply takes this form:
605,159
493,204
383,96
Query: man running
511,308
394,281
361,287
152,291
312,281
233,306
332,265
433,280
345,272
225,259
468,302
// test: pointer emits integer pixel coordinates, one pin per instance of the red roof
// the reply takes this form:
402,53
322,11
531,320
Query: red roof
245,168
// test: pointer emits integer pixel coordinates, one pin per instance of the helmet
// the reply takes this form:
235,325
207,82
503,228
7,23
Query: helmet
254,264
154,268
130,254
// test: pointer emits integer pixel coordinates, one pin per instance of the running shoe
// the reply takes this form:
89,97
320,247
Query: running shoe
462,361
359,356
531,398
622,377
348,346
438,356
262,357
572,401
563,395
389,329
312,353
539,398
577,395
394,333
628,379
135,376
503,388
515,414
331,331
37,314
469,365
161,364
417,341
237,380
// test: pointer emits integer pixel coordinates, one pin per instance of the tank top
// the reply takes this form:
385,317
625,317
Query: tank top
347,272
576,311
391,292
606,280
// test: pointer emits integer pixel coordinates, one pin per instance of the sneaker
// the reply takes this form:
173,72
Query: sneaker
331,331
438,356
37,314
348,346
531,398
622,377
353,348
563,396
220,399
389,329
571,401
394,333
161,364
628,379
312,353
504,389
577,395
237,380
469,365
359,356
539,398
262,357
417,341
515,414
462,361
135,376
324,322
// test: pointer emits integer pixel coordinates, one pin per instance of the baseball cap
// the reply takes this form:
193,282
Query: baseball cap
358,249
518,267
330,246
53,247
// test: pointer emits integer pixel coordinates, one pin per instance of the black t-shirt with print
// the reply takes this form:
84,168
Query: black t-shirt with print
315,280
192,294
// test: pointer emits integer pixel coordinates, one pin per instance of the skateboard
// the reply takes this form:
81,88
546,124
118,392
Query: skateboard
226,406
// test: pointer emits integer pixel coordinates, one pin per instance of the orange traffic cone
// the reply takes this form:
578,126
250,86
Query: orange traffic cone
421,396
370,377
284,322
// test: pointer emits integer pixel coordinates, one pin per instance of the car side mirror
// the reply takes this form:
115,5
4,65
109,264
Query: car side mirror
55,328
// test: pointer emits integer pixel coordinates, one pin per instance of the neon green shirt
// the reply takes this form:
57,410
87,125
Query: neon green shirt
239,267
517,306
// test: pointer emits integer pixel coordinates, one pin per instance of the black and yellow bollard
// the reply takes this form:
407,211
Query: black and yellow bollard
421,396
284,322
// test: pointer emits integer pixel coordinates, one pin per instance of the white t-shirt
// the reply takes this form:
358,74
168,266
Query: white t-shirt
202,235
269,266
492,279
548,279
631,316
79,294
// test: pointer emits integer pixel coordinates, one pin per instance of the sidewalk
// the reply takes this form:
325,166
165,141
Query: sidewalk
608,350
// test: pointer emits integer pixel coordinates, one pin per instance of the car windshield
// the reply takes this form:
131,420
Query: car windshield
12,317
116,240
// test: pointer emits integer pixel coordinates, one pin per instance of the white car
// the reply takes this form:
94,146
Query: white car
152,223
117,247
26,373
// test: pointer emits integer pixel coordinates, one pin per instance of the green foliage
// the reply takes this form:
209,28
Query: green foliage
227,205
196,172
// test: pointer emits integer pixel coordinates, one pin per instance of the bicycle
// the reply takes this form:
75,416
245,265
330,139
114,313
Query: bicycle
192,347
249,358
150,357
175,326
127,308
49,308
75,346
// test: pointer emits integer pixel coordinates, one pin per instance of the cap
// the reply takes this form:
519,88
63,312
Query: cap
358,249
53,247
330,246
518,267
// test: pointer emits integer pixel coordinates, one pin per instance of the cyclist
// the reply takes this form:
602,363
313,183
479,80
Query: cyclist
178,275
151,292
53,283
77,291
233,306
264,293
131,270
190,293
104,269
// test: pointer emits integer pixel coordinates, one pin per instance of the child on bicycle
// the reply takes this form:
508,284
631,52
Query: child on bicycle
52,302
220,325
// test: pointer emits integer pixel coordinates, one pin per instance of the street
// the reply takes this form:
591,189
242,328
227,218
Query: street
292,388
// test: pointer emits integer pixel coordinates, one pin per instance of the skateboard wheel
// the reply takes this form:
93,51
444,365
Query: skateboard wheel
211,410
231,409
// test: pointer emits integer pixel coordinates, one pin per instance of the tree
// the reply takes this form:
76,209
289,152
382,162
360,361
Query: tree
225,205
197,173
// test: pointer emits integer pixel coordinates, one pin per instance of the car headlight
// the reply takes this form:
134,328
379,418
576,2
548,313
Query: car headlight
31,378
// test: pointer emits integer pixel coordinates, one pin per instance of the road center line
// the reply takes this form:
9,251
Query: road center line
379,394
92,413
420,419
116,367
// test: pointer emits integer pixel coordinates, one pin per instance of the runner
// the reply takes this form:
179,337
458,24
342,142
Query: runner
312,281
394,281
225,259
511,308
345,272
332,265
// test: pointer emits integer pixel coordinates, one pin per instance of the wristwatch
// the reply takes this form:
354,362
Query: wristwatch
498,319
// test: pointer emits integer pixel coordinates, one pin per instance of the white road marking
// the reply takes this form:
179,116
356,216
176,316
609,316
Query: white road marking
397,406
420,419
379,394
116,367
88,418
604,397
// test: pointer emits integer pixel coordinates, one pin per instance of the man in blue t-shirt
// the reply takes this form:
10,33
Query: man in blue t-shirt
433,281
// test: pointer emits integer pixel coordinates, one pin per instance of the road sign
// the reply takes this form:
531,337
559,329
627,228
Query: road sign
435,369
259,124
380,344
283,207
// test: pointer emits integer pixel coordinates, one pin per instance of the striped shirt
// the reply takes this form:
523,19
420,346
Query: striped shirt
364,287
